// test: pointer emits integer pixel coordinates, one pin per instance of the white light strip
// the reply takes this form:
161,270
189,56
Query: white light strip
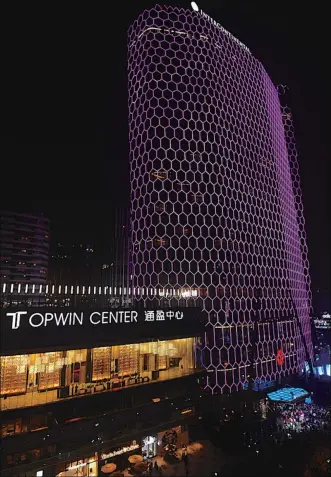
73,467
148,29
99,290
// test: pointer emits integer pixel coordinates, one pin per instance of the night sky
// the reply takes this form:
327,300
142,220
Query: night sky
64,143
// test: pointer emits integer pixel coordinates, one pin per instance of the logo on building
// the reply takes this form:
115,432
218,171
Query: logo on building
59,318
16,318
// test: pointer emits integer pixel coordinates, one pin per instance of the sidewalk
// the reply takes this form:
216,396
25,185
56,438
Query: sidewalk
204,460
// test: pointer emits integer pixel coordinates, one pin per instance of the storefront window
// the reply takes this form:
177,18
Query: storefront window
38,379
47,370
30,456
81,468
13,371
11,427
149,447
101,359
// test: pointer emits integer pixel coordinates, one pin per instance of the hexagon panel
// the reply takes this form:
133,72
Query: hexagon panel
215,203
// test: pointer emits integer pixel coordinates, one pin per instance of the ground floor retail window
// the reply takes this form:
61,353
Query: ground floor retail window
40,378
30,456
28,423
149,447
82,468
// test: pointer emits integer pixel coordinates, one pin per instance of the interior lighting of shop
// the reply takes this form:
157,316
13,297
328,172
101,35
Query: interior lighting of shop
156,399
123,450
18,372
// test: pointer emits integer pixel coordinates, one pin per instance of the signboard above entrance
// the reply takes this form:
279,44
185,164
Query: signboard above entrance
48,328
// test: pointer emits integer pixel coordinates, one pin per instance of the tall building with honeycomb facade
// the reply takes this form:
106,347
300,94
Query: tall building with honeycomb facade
213,208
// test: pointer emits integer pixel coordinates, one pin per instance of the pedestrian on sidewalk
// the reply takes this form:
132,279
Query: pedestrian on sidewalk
150,469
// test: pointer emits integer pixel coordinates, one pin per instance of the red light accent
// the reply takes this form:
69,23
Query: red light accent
280,357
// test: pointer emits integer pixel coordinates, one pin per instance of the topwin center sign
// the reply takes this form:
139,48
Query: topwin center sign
96,318
46,328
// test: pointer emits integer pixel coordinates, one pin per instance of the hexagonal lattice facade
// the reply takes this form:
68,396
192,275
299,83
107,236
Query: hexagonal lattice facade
301,286
212,202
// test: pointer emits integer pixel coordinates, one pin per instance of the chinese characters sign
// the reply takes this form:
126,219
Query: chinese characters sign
160,315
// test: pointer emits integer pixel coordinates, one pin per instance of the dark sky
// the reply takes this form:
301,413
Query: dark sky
64,138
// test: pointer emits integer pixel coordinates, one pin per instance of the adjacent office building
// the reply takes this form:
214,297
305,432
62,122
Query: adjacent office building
214,197
24,248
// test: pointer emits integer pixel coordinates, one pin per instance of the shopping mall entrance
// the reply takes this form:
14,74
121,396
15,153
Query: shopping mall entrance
149,447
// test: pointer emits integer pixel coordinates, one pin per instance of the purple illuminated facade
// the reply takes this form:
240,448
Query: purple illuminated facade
213,208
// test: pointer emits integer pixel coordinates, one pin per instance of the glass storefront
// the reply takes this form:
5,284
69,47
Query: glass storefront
30,423
82,468
149,447
30,456
40,378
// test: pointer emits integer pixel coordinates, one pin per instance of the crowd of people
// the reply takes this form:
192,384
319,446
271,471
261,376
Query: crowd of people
303,418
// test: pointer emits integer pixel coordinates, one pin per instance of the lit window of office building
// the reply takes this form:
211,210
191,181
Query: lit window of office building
24,248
